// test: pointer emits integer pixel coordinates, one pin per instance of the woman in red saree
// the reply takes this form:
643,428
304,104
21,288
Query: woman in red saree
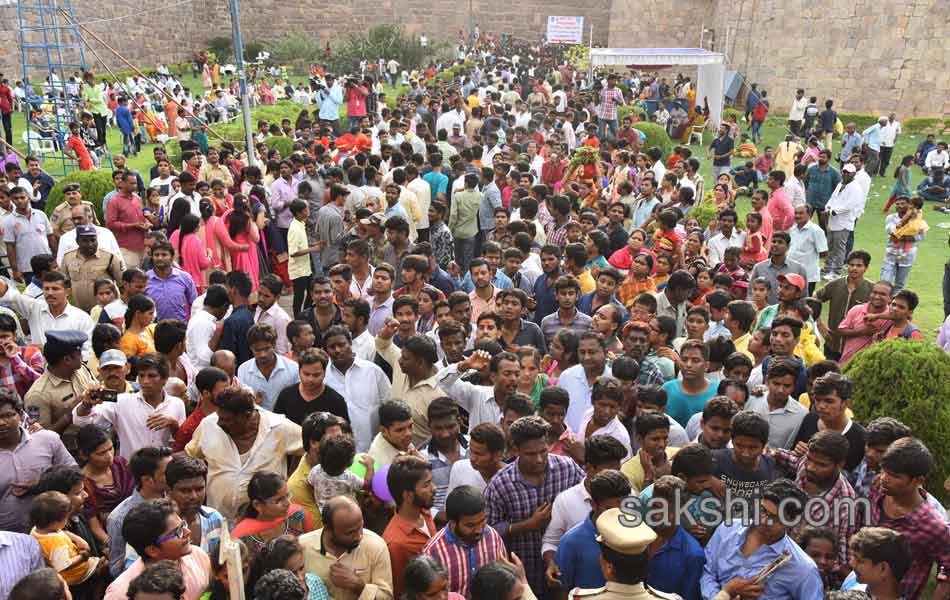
270,513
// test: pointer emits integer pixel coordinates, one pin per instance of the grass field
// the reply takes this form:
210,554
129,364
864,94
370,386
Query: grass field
925,279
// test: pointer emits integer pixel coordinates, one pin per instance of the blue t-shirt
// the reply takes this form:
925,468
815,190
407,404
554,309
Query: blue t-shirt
438,182
680,405
578,556
678,566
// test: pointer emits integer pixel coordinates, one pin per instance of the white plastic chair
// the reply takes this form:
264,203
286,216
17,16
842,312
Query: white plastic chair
37,144
697,131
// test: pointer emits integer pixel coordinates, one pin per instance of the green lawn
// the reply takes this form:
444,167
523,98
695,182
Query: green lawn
925,278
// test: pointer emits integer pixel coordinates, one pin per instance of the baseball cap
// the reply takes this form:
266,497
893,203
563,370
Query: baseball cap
794,279
849,168
113,358
375,219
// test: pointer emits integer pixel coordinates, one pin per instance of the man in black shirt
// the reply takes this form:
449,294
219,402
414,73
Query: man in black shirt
311,394
743,469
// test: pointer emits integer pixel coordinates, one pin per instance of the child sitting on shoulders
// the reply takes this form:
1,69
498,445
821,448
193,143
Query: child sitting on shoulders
333,477
65,551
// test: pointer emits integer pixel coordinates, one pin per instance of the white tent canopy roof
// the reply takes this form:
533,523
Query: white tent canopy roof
654,56
710,80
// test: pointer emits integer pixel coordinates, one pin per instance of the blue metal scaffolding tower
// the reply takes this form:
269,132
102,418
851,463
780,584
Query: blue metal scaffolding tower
51,52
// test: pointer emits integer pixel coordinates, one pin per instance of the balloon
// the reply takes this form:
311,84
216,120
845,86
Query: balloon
380,487
359,468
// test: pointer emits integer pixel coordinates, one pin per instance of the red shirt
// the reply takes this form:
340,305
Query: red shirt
82,155
666,241
122,215
187,429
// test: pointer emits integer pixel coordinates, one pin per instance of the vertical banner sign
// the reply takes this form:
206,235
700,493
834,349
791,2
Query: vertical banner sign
565,30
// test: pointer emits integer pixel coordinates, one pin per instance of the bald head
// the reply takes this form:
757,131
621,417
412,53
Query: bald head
343,523
79,215
224,360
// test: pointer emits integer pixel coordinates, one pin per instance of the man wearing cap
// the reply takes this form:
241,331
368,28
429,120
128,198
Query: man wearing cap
61,217
80,215
843,208
791,288
624,559
113,369
88,263
52,397
457,137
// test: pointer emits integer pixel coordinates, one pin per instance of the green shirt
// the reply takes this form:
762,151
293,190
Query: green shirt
95,98
463,215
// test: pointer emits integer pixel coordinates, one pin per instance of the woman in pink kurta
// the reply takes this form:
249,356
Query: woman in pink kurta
240,227
193,256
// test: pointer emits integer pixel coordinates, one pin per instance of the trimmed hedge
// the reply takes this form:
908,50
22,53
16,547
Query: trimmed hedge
656,136
95,185
907,380
924,124
283,144
861,120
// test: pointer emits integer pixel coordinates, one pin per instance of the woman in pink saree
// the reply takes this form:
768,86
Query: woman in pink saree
266,94
238,225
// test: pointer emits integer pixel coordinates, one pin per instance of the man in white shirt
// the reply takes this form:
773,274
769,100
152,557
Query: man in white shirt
796,112
601,453
145,418
420,187
889,133
269,312
202,325
361,382
938,157
728,237
52,312
794,188
843,208
808,245
68,241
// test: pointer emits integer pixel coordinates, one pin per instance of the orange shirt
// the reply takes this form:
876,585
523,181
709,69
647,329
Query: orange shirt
406,540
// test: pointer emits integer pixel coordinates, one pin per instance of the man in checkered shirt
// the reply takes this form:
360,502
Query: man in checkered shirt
610,98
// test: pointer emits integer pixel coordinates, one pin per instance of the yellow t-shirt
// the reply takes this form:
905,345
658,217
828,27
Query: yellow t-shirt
297,266
634,470
137,345
59,551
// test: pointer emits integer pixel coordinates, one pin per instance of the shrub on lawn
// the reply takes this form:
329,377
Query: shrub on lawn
924,125
861,120
94,185
907,380
283,144
656,136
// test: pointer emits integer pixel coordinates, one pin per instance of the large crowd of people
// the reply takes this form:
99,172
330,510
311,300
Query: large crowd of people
477,344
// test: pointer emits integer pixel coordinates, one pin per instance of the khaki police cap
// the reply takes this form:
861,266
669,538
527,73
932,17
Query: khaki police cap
623,538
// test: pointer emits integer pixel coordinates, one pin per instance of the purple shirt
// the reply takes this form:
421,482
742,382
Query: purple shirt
168,294
510,499
35,454
282,193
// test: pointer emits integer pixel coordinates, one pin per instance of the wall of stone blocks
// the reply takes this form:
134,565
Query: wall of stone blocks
868,55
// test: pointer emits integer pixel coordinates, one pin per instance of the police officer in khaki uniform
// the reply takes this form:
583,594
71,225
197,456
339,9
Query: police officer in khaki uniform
624,559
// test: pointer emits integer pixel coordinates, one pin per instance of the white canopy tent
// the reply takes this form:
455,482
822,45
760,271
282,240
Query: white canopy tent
711,68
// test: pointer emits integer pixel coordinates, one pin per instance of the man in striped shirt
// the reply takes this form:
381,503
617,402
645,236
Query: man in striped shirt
610,98
467,542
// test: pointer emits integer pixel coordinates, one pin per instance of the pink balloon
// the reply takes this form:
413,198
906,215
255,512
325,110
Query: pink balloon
380,487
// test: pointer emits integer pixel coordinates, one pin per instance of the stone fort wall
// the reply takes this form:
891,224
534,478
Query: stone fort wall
868,55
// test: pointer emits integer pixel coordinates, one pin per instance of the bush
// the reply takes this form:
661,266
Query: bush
907,380
656,136
234,130
94,184
861,120
173,151
284,145
924,125
222,47
738,114
388,41
631,110
705,212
